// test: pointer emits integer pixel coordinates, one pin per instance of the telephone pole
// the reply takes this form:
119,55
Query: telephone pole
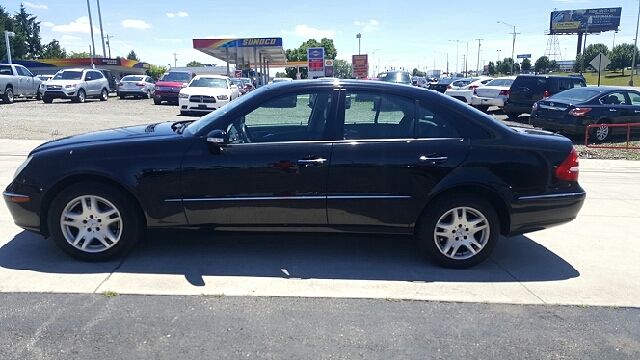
175,60
478,66
109,44
104,53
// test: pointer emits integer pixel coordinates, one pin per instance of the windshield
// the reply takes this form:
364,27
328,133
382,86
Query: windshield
132,78
209,82
204,121
68,75
398,77
177,77
576,95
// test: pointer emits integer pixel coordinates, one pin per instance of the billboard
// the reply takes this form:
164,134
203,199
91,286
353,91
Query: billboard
360,65
585,20
315,62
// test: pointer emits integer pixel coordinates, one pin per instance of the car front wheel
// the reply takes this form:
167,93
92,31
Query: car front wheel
94,222
458,231
81,97
104,95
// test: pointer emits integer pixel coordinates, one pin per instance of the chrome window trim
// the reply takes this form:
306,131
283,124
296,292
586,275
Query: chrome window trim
310,197
344,141
551,196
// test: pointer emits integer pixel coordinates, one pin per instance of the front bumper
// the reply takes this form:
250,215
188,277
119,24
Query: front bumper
190,106
26,214
539,212
485,101
59,94
166,96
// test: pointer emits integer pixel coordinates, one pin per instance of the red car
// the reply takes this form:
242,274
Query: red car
169,86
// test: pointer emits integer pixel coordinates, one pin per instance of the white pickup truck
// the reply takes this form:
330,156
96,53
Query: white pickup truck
18,81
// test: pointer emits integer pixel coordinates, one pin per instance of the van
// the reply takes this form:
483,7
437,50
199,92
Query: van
527,89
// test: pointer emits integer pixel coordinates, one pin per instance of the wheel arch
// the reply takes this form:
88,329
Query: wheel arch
80,178
492,196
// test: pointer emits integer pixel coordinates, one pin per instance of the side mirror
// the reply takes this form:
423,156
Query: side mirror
218,138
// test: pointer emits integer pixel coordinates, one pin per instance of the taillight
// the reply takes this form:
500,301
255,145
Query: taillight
569,169
577,112
139,84
505,92
546,94
449,87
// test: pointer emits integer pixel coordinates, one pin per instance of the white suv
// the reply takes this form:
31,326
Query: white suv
77,85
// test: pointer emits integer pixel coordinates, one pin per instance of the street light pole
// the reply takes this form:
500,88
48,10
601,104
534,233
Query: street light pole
513,46
635,48
457,55
478,65
7,35
358,36
104,52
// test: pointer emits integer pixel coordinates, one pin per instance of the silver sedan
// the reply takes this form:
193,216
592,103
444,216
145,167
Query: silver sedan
141,86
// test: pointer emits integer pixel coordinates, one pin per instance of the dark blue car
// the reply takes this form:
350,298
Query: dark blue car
571,111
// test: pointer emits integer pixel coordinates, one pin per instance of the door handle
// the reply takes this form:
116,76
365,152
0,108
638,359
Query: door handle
314,161
435,159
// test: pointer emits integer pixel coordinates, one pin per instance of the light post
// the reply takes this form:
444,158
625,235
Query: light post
478,65
358,36
457,55
498,54
513,46
635,48
7,35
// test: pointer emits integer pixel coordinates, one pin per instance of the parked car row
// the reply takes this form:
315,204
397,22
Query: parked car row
18,81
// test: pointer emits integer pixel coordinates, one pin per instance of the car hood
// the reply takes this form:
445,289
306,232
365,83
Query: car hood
205,91
138,132
63,82
170,83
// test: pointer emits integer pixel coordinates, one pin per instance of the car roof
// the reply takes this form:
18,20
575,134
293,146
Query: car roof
207,76
75,69
551,76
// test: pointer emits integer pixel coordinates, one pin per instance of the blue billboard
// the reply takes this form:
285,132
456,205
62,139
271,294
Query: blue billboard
585,20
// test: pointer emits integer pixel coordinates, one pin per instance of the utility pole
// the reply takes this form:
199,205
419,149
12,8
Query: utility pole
635,44
109,44
478,66
104,52
93,45
498,54
175,60
513,46
466,61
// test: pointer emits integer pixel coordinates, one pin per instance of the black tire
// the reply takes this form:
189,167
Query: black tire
104,95
8,95
122,97
157,101
80,97
38,95
184,113
132,225
428,241
483,108
600,135
47,100
512,116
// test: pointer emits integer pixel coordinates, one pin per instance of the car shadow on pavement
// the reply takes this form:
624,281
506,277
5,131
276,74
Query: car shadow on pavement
195,254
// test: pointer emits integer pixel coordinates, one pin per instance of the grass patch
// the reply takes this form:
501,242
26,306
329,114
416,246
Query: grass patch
110,294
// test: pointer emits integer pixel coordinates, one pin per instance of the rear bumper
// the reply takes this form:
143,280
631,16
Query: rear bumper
485,101
140,92
573,129
539,212
517,109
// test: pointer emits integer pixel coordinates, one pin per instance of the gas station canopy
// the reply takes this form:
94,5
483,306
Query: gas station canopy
253,51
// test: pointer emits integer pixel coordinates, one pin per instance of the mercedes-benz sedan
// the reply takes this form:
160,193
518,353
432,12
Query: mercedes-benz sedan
360,156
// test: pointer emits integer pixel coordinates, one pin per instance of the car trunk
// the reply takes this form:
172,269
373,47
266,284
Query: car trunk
553,110
488,92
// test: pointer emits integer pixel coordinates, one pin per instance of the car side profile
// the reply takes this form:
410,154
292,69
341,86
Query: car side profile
347,155
18,81
527,89
76,85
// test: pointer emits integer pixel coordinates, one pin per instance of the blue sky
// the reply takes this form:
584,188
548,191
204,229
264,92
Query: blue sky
398,33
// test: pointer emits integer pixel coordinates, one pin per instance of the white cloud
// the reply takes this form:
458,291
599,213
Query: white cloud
310,32
31,5
80,25
135,24
367,26
177,14
48,24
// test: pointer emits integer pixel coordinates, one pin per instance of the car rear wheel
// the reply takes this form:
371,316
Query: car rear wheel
94,222
104,95
483,108
122,97
8,95
602,133
157,101
458,231
81,97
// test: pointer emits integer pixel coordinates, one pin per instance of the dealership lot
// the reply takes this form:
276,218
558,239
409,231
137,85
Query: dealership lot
590,261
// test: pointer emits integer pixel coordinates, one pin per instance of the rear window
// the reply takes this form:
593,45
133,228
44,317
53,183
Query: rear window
209,82
576,95
501,82
531,82
6,70
399,77
132,78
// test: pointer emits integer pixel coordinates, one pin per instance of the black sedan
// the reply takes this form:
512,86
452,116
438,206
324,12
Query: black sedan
359,156
572,110
443,84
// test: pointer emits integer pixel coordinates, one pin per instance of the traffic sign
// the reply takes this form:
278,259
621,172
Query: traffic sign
600,62
524,56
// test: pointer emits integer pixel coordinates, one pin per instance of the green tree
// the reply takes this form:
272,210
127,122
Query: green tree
553,65
133,56
193,64
27,44
82,54
577,65
300,54
621,56
281,74
505,66
53,50
499,67
593,50
491,68
526,65
417,72
156,71
542,64
342,69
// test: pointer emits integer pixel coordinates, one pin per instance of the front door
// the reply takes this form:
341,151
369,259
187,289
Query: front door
273,171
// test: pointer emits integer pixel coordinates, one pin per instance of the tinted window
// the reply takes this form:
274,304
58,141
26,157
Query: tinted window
132,78
576,95
433,124
23,71
614,98
96,75
398,77
378,116
500,82
531,82
6,70
290,117
635,98
565,84
177,77
578,83
68,75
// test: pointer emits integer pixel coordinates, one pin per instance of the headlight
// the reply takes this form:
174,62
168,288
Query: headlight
21,167
69,86
183,96
223,97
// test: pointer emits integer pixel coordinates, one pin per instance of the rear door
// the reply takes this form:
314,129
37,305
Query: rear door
617,107
527,89
634,97
387,160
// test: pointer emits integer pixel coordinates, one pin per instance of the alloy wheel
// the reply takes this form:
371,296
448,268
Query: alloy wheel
461,233
91,224
602,132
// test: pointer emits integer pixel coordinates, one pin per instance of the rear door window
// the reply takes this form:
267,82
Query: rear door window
614,98
635,98
378,116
